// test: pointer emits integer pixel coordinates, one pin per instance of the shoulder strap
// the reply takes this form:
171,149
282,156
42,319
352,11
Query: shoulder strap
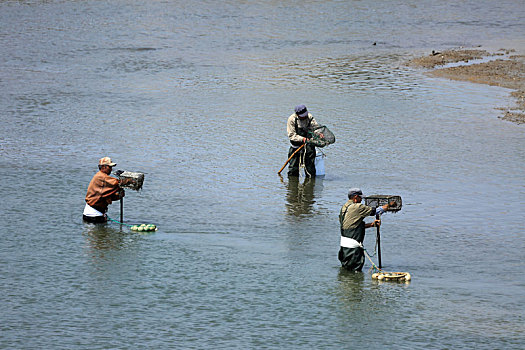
307,127
342,215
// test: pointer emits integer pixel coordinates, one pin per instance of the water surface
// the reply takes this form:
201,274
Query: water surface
196,95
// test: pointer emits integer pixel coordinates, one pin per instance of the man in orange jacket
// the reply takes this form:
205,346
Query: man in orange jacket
102,191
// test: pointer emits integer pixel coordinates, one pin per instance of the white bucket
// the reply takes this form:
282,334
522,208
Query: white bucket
319,163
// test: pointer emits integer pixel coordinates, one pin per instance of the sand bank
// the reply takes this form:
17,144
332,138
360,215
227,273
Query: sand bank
502,68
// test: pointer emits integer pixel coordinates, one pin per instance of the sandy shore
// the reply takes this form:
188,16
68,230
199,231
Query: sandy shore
502,68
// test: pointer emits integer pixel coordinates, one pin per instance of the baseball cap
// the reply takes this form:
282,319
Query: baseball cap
355,191
301,111
106,161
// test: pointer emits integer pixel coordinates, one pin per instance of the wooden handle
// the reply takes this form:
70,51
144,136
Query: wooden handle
293,154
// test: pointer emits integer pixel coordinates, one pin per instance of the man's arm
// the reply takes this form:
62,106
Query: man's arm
380,211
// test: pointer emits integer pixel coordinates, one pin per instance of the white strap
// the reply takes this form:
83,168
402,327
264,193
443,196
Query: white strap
347,242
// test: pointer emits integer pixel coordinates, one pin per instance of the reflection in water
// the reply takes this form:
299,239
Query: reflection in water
105,237
363,304
301,196
351,285
357,291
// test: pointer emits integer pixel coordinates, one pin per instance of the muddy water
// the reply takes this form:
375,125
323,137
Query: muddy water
196,96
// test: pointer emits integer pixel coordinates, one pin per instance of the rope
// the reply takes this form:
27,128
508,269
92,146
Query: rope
118,222
301,162
374,266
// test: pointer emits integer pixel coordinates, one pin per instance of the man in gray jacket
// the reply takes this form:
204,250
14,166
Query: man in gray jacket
298,126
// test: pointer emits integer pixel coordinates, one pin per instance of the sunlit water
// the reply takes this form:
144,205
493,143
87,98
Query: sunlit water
196,95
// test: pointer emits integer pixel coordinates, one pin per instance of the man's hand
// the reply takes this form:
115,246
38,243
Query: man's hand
122,193
392,204
375,223
127,181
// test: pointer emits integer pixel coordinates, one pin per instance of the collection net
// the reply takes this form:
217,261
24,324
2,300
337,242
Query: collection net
321,136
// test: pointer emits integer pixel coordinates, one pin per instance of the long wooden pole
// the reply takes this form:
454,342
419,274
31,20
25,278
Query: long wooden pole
378,239
293,154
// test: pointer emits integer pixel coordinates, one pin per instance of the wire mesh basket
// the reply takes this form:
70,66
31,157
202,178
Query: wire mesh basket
376,201
134,181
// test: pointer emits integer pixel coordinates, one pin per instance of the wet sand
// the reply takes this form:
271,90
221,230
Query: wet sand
502,68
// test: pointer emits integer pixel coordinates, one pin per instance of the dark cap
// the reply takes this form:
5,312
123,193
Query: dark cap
301,111
355,191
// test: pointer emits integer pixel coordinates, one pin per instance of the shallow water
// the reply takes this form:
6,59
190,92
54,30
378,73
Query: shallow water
196,95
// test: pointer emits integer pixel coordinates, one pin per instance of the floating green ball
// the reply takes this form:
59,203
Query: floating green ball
144,227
